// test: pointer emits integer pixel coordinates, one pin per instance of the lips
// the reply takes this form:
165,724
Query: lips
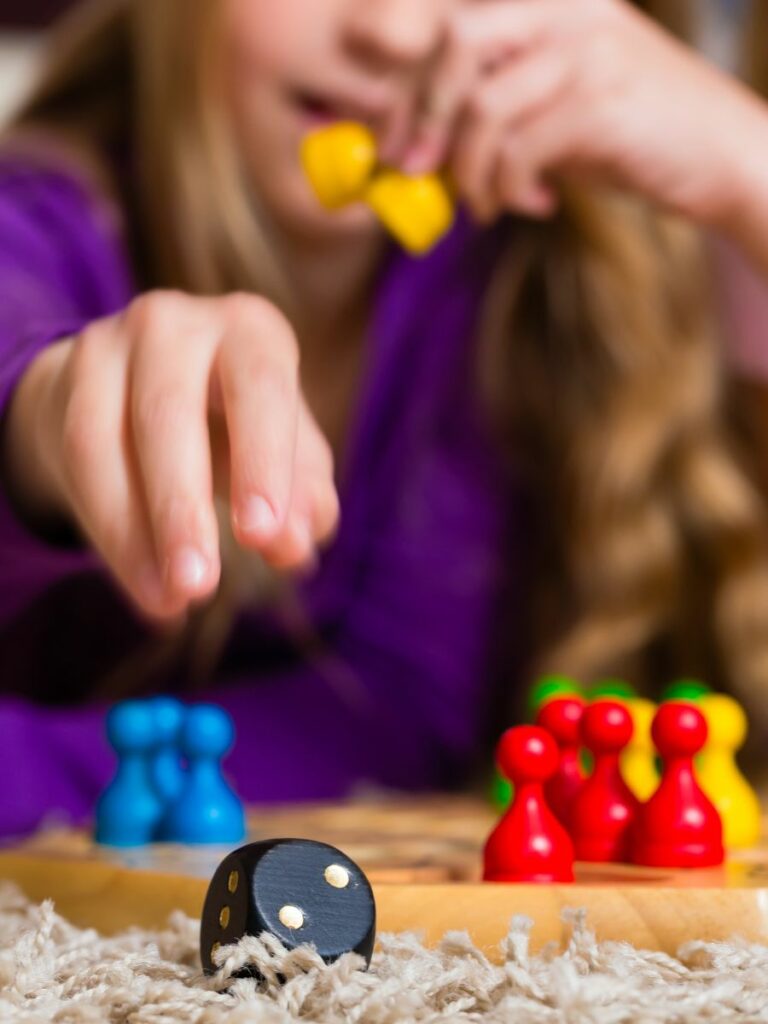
322,109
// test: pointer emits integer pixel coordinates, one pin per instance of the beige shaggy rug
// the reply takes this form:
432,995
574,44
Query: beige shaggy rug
52,971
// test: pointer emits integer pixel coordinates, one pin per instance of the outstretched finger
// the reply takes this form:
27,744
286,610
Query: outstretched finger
168,408
257,371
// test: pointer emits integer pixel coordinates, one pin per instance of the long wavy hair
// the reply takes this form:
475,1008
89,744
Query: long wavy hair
598,357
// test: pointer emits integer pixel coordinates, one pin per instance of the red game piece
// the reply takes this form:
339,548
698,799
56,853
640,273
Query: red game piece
605,807
529,844
679,827
562,720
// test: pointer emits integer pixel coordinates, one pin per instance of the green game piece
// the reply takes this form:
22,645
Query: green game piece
686,689
612,688
501,792
547,689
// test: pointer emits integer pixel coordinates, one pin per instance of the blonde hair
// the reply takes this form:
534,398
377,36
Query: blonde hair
652,539
121,81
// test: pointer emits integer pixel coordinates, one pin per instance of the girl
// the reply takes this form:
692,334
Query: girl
529,426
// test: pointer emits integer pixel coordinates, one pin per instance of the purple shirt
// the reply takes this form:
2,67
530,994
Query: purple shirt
393,686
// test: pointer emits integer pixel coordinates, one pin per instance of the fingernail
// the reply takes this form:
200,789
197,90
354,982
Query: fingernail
257,516
187,569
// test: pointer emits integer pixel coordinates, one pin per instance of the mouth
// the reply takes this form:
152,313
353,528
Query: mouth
318,110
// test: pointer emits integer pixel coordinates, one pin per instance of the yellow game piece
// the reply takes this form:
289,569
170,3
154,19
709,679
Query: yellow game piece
719,775
338,161
417,210
638,762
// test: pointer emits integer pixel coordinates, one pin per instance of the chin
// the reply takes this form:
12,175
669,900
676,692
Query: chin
301,213
353,222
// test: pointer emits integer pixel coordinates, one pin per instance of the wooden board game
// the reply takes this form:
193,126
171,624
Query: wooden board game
423,857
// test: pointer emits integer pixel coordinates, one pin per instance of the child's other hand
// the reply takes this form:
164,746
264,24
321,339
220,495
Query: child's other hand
527,91
128,428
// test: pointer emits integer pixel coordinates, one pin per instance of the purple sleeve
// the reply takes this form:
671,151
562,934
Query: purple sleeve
61,266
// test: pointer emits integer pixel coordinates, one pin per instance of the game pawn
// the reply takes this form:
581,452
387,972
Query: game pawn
688,690
679,827
129,809
611,689
207,810
529,844
542,692
549,688
719,774
638,762
165,769
562,720
605,807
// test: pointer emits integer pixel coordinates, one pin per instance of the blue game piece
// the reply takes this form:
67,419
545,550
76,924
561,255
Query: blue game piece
208,811
166,769
129,809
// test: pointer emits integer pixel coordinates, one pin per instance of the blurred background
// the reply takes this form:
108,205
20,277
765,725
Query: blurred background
22,31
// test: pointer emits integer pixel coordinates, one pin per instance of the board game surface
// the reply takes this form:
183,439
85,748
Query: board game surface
423,857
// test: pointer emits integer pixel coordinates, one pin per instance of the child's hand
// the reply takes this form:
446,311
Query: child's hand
127,428
526,91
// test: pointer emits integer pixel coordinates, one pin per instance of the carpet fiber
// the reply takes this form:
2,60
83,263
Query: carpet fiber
52,971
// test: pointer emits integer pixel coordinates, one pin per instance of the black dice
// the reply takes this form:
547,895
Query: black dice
299,890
